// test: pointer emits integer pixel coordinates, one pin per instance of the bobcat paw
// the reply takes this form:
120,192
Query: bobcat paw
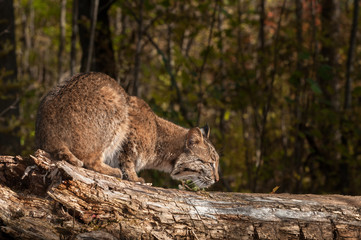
65,155
140,180
116,173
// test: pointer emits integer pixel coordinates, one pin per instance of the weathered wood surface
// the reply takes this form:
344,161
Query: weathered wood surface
40,199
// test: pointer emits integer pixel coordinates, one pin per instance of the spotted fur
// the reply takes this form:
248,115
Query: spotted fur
90,121
199,161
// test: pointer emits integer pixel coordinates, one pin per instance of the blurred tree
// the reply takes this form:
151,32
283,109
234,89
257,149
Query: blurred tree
298,86
350,56
74,33
345,165
266,75
61,37
328,77
134,85
103,58
9,89
329,81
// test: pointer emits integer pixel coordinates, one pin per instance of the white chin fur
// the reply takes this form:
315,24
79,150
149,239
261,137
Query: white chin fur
198,182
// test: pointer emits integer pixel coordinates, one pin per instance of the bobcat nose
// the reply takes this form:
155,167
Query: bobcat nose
215,172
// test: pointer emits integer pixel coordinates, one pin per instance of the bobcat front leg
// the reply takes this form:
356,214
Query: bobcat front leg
127,163
128,169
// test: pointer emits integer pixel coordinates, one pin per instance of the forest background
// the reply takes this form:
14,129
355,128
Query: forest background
278,81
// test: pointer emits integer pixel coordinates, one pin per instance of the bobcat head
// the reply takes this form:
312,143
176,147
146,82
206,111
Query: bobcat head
199,161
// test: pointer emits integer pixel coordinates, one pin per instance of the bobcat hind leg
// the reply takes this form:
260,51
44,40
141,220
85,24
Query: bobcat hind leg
96,163
65,154
106,169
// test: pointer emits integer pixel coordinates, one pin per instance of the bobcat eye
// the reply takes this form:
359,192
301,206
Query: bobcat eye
189,170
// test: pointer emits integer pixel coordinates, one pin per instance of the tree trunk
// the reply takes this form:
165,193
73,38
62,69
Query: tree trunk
61,38
104,60
94,16
260,81
74,32
9,100
351,50
329,79
330,29
138,50
344,179
41,199
296,159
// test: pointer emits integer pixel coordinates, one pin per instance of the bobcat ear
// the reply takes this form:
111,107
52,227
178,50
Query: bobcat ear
194,135
205,131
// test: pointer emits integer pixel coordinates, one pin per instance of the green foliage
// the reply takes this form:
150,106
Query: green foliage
314,86
275,112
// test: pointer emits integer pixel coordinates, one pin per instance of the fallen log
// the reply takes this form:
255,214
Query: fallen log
42,199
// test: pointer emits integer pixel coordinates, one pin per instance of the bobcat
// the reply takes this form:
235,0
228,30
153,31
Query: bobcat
90,121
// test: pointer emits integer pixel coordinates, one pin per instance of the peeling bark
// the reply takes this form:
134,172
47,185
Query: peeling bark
41,199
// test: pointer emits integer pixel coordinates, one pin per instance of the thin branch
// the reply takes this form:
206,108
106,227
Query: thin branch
270,93
205,57
151,22
241,61
172,78
275,62
168,68
105,6
11,106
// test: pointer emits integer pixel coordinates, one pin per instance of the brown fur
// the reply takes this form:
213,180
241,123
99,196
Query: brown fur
91,121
